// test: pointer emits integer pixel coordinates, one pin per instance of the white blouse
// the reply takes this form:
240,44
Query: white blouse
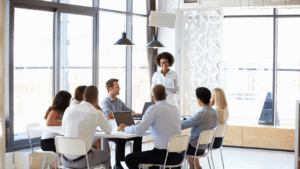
74,102
169,81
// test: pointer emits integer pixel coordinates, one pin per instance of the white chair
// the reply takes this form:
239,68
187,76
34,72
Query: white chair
220,133
72,146
206,137
177,144
35,134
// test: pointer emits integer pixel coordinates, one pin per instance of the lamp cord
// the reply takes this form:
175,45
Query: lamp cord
124,15
155,17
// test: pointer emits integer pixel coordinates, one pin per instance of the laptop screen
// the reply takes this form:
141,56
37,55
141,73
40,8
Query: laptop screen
124,117
146,106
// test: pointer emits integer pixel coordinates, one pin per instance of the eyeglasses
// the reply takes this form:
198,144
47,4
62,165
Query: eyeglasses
166,63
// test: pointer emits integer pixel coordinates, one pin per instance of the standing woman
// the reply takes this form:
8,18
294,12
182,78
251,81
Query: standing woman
79,95
54,116
219,99
166,76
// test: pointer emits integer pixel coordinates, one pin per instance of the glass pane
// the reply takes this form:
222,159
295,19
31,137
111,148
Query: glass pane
292,11
267,11
139,6
140,75
247,70
33,61
76,51
119,5
78,2
112,61
288,81
288,43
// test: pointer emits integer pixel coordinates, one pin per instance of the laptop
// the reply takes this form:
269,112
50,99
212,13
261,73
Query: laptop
146,106
124,117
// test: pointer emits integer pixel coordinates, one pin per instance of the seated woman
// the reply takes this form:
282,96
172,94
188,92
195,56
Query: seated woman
206,119
219,99
54,116
79,95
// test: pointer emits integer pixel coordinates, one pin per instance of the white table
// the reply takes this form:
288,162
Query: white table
102,135
113,134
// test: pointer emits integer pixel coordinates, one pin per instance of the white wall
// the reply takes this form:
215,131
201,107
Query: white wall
2,83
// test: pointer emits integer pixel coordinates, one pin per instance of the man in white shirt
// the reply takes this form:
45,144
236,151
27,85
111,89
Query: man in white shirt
80,121
163,119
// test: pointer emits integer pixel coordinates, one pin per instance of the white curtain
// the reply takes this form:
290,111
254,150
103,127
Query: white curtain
2,84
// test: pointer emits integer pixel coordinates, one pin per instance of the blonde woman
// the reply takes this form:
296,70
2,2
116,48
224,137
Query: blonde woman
219,99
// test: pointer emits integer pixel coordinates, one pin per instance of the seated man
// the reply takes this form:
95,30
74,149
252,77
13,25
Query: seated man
80,121
164,122
113,104
206,119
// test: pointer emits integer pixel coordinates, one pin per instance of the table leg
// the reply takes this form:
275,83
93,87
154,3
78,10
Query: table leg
104,144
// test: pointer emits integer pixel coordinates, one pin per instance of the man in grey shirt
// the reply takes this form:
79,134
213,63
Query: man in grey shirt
113,104
163,119
206,119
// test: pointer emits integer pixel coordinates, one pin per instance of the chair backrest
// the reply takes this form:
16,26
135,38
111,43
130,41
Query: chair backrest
33,134
221,130
178,143
70,146
207,136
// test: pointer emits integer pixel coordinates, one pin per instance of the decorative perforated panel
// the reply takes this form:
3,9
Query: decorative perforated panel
202,54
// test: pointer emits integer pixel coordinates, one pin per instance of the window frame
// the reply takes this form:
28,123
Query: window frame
57,8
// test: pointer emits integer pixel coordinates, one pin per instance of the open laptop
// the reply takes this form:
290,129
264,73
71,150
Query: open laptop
124,117
146,106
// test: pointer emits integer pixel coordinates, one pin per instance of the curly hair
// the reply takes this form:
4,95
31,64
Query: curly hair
165,55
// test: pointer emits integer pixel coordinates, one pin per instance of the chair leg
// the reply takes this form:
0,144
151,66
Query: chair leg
31,160
208,161
55,161
194,163
222,158
212,161
44,161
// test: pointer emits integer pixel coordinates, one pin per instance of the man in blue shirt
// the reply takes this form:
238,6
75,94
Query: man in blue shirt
163,119
206,119
113,104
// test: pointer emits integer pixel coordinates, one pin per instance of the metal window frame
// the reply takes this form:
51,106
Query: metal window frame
58,8
275,17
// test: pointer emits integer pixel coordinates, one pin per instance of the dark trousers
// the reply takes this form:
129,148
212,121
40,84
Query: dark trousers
48,145
155,156
120,147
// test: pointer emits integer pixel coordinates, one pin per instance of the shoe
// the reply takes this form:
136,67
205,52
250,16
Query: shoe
118,167
49,166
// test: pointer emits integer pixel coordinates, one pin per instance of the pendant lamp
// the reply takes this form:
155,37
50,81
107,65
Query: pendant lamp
155,43
124,41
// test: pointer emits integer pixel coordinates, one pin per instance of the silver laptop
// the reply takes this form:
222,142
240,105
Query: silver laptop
124,117
146,106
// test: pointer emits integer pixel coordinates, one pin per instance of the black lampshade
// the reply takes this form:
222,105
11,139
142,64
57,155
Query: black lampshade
124,41
155,43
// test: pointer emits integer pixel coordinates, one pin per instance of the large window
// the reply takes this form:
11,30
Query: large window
112,59
76,59
140,75
288,80
68,44
248,63
33,63
253,56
